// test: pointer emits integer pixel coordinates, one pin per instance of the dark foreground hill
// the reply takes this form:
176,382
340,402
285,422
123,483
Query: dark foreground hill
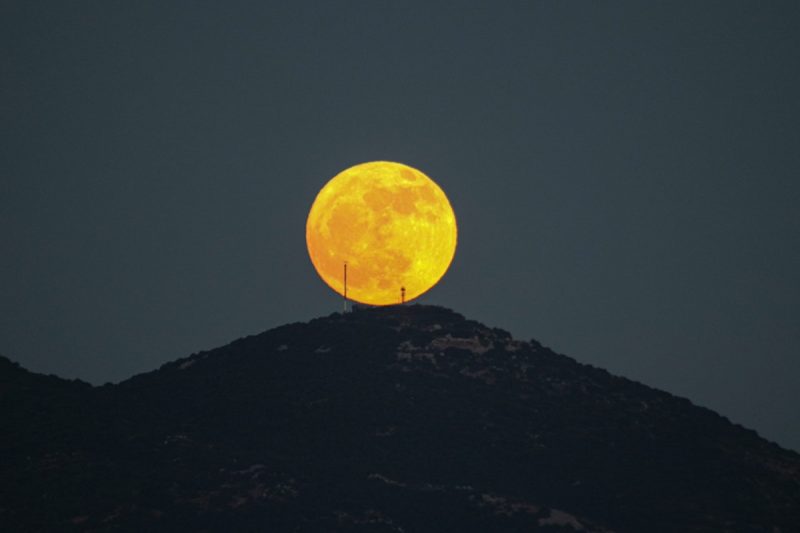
392,419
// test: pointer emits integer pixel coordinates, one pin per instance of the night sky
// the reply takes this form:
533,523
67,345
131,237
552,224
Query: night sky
626,178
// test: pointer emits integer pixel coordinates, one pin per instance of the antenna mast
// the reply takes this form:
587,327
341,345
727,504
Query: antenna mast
344,303
402,295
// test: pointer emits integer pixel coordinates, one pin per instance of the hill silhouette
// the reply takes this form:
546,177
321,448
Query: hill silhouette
407,418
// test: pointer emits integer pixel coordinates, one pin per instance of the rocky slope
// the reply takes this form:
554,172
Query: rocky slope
390,419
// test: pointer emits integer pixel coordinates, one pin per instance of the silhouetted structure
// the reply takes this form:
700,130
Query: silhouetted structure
344,303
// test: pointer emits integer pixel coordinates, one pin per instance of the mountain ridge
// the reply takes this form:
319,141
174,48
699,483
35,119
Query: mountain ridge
406,418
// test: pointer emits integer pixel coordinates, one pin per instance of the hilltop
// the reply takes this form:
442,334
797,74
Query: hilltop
406,418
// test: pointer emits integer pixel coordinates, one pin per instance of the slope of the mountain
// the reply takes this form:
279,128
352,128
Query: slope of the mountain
390,419
31,402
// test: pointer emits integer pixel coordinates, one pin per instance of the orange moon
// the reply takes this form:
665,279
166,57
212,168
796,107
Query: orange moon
391,224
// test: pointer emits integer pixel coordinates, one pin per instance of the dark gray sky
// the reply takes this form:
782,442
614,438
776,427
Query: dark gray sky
625,177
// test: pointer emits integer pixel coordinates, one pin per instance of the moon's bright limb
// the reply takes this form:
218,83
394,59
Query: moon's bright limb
390,223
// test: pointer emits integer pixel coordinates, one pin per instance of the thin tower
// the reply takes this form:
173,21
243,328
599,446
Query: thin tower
344,303
402,295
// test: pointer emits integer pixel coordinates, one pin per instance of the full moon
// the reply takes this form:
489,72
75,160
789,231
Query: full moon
390,224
